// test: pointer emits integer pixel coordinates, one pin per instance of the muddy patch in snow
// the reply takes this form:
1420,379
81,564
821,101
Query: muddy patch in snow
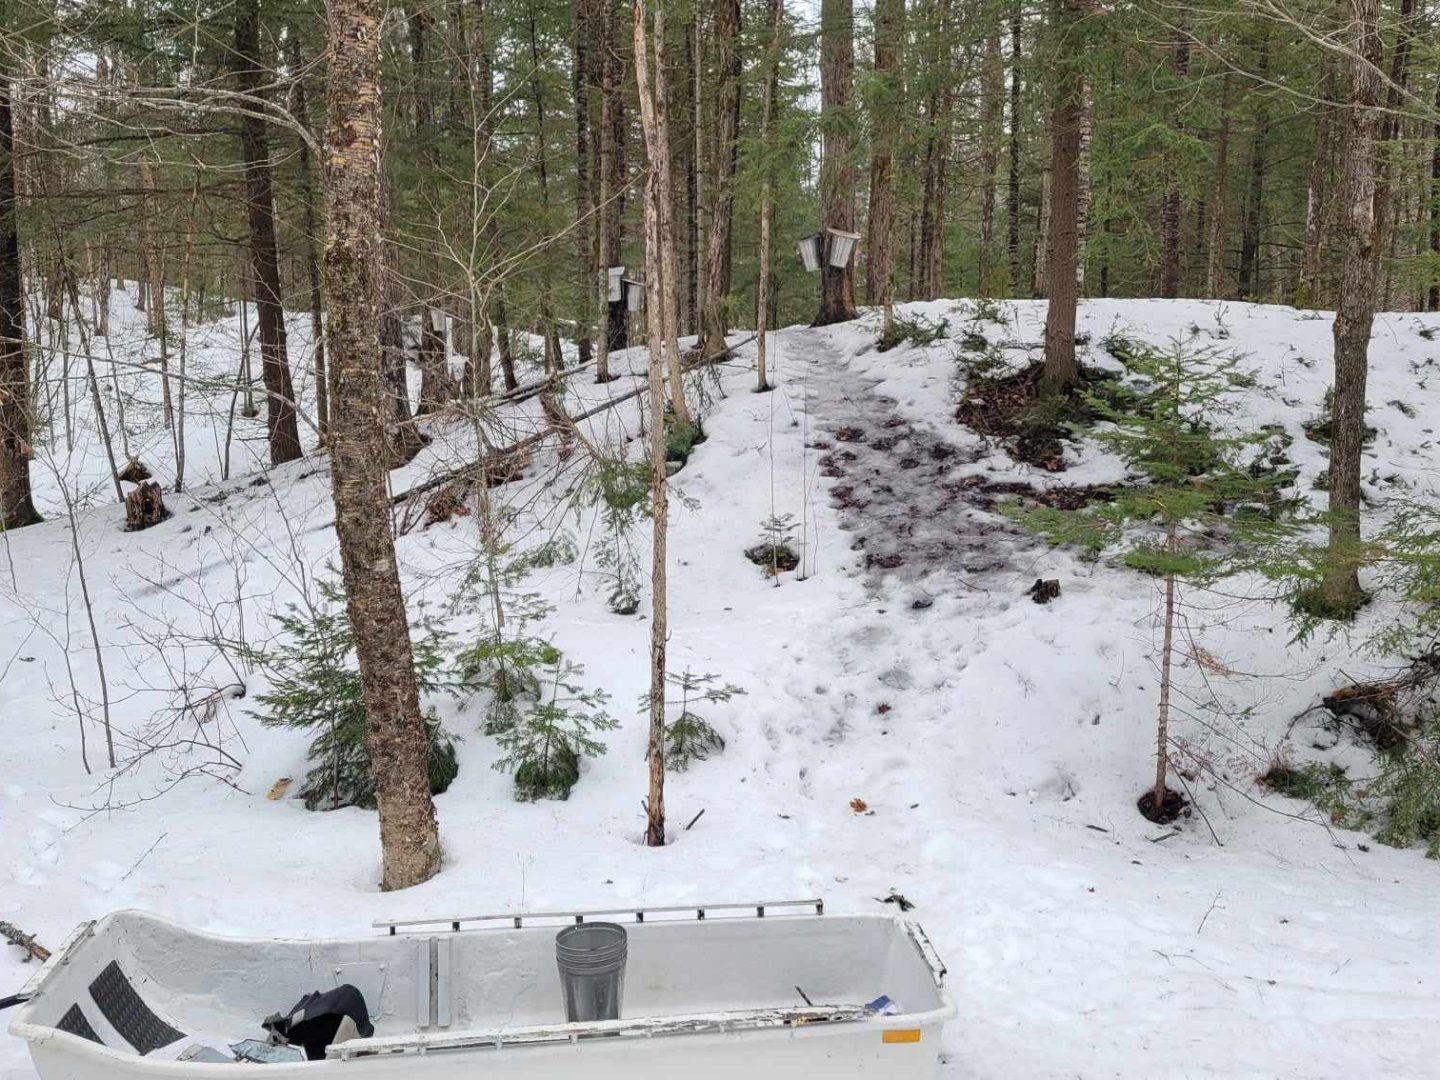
897,488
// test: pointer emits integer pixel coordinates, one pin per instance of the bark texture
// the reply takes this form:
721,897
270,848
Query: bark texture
281,424
409,837
1170,204
311,226
1317,189
17,508
1250,234
992,120
837,170
656,318
767,197
727,133
886,104
1215,262
1063,237
1355,316
1012,206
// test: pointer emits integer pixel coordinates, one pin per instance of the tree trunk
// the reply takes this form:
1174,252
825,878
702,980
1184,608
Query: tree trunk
1317,187
152,258
656,317
1355,316
409,837
837,172
311,225
1249,280
767,197
1215,264
1162,728
727,133
696,154
614,128
1390,156
1170,204
17,508
661,161
436,386
992,120
1082,198
1062,239
283,429
484,307
586,236
691,317
937,152
548,332
887,104
1435,200
393,362
1040,267
1013,193
606,256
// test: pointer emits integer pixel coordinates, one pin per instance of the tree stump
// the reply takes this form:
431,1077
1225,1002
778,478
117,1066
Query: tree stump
145,506
1044,590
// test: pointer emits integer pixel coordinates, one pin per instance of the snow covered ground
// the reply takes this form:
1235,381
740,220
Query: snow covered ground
998,745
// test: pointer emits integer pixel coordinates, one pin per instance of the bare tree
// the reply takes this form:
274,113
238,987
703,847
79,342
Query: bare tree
656,317
16,506
409,837
283,429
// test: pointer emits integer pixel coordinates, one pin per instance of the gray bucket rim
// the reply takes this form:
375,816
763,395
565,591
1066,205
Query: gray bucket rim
603,954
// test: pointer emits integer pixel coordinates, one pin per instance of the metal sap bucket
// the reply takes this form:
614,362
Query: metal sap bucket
591,959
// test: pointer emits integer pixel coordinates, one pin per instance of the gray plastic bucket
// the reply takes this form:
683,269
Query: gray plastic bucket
591,958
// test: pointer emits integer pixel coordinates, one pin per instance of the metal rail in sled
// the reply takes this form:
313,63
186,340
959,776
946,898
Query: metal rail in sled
755,909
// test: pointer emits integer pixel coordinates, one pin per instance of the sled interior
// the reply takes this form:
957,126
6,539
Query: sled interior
133,982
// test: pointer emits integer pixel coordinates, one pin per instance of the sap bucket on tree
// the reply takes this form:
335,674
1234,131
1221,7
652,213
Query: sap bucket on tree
809,249
840,245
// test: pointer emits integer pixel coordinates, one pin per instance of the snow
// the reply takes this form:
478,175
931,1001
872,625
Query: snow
997,745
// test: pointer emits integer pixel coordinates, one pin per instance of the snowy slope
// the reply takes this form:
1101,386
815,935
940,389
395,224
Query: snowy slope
998,745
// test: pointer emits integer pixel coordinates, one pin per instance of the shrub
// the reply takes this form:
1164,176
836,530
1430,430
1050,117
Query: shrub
543,748
690,737
774,554
315,686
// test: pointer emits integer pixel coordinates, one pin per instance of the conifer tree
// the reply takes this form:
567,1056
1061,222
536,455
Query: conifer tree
1194,506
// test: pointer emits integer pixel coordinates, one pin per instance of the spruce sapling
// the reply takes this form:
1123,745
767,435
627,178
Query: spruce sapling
1195,508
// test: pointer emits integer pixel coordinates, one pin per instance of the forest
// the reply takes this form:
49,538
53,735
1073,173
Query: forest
606,447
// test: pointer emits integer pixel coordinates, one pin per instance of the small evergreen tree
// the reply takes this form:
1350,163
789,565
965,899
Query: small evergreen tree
1197,507
621,489
690,737
509,662
543,748
774,553
1400,802
315,686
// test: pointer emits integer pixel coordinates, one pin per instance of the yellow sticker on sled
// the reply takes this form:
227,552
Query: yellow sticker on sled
901,1035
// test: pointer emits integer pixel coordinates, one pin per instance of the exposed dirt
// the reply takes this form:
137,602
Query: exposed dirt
1005,407
898,488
